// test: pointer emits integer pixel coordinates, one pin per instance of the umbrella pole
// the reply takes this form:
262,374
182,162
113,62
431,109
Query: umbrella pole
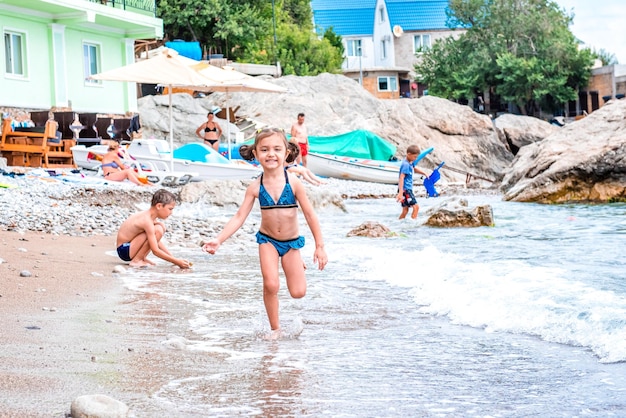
169,93
228,124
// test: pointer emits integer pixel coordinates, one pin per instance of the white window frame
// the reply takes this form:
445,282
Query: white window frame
92,50
381,14
10,55
383,49
392,82
422,41
354,48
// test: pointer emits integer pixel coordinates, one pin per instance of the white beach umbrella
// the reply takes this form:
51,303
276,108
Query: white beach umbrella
165,67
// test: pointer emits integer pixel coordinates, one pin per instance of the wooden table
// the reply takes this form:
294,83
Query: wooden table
33,149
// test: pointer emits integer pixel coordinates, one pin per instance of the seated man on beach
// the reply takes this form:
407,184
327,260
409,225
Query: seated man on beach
142,233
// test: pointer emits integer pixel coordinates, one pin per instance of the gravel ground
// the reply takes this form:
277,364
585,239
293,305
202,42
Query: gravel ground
35,202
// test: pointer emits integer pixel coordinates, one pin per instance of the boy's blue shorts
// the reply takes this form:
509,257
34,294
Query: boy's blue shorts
123,251
409,199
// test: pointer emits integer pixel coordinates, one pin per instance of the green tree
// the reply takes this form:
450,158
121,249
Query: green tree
334,40
522,50
299,52
607,58
243,30
219,25
299,12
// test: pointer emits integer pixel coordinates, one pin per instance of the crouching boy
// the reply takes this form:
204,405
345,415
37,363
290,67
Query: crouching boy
141,233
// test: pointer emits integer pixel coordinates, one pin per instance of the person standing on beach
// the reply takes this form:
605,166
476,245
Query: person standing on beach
279,194
300,137
405,182
210,132
141,233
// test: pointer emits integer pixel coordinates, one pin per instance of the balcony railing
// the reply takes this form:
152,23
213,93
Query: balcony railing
138,6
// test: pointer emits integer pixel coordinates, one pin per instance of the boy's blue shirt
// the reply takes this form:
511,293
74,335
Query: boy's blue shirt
406,168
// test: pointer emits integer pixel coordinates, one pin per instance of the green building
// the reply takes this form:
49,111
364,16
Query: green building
51,47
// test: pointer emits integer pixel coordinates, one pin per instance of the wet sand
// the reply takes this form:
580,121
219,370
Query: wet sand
62,332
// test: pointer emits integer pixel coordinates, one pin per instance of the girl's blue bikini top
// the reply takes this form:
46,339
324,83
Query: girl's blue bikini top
286,200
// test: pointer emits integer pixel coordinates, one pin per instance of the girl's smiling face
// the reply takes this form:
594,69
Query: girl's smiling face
271,151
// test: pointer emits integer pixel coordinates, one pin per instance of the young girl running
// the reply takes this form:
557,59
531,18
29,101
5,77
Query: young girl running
279,194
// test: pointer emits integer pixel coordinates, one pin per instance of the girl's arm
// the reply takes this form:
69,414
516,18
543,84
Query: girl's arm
235,222
319,255
219,129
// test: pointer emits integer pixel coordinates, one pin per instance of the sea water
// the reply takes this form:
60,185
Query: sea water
525,318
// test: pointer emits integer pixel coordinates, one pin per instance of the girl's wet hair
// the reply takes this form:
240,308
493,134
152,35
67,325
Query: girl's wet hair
293,151
246,150
163,197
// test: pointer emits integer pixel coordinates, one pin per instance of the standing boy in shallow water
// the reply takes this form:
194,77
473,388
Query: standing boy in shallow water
279,194
405,182
142,233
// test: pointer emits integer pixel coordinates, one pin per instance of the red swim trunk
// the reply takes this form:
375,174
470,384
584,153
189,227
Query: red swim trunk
304,149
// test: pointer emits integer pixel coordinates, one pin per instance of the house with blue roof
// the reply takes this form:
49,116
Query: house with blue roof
383,39
51,47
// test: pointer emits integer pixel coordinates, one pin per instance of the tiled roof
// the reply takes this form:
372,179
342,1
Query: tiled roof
347,17
356,17
342,4
413,15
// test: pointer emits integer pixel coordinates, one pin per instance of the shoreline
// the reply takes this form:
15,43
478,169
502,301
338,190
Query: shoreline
72,328
60,326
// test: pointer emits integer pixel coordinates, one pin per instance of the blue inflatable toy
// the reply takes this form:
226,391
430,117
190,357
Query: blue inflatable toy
429,182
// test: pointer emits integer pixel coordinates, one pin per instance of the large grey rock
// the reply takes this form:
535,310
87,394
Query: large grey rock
214,192
518,131
455,212
371,229
98,406
335,104
187,114
230,193
582,162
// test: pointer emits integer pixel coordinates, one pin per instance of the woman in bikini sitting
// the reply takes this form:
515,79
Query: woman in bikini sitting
210,132
114,169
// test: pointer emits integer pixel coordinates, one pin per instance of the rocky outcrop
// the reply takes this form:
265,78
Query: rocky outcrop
517,131
371,229
455,212
334,104
584,161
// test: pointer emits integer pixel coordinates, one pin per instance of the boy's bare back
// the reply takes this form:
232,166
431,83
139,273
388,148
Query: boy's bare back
136,224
